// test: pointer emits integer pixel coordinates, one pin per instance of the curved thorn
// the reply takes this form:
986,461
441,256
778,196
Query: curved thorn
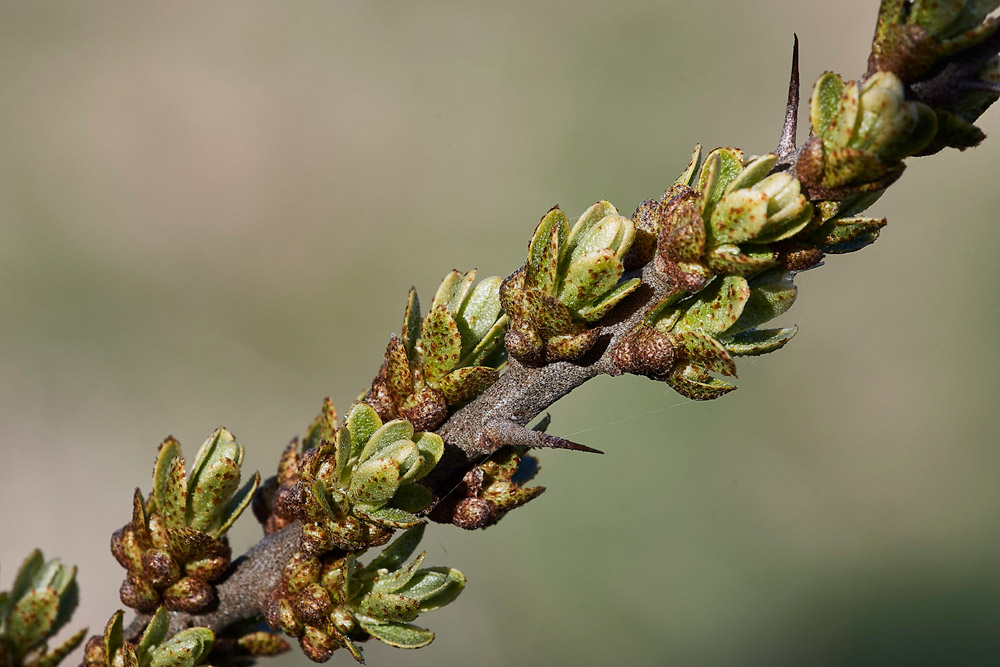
786,145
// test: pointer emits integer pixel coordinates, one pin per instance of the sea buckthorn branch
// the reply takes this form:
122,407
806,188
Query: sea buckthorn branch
674,293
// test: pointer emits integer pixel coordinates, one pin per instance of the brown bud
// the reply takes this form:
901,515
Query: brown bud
139,594
93,652
644,351
472,513
160,568
316,539
799,257
427,411
647,221
211,566
473,481
117,550
188,594
317,645
311,604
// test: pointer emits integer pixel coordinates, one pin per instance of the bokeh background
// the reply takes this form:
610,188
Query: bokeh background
210,214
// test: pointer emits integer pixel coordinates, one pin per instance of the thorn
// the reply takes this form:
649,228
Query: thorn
786,145
502,432
980,86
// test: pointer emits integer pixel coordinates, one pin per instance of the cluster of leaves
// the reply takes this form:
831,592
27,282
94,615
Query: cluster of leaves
37,606
187,648
445,359
331,602
570,280
353,486
175,546
491,489
944,52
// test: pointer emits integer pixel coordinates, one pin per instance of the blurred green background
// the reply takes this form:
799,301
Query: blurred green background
210,214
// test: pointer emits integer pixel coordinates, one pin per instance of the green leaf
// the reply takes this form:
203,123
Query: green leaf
388,434
412,498
389,607
442,344
236,504
687,175
375,481
771,294
407,457
694,383
434,587
392,580
740,260
431,447
589,276
721,166
464,384
156,631
479,313
400,635
703,350
453,290
490,343
169,450
754,172
174,507
612,232
114,636
214,479
411,322
759,341
824,102
602,306
362,422
739,217
24,580
54,657
185,649
394,555
717,307
329,505
591,232
542,266
31,619
392,517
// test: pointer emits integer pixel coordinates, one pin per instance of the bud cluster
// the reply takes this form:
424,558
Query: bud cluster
726,215
332,602
187,648
175,546
944,51
570,280
40,602
352,486
445,359
683,341
863,130
490,490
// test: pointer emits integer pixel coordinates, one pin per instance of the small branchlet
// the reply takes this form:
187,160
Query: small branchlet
330,601
40,602
175,545
444,360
